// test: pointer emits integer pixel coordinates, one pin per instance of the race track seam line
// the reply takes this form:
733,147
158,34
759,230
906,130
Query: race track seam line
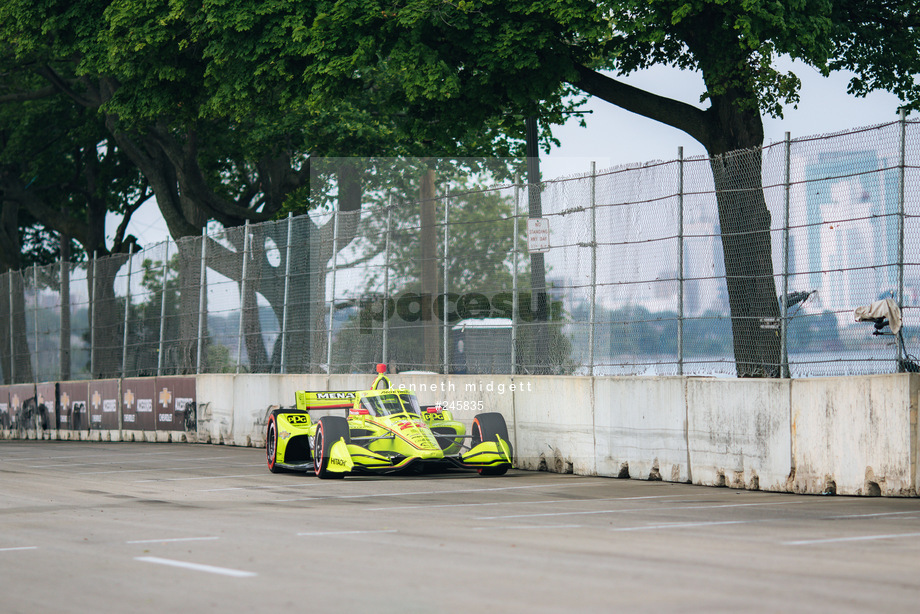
639,509
428,492
224,571
832,540
171,539
412,507
333,533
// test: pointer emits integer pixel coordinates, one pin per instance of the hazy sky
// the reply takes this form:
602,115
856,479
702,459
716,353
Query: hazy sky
614,137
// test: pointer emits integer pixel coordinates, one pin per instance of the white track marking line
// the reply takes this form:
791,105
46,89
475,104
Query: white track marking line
236,573
108,455
18,548
834,540
127,460
171,539
869,515
530,527
238,488
685,525
204,477
153,469
639,509
264,487
333,533
434,492
413,507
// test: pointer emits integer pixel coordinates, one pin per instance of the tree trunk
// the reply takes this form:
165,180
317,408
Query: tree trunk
745,227
541,358
108,317
17,363
735,160
189,250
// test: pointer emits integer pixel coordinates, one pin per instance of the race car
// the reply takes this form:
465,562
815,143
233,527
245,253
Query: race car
384,430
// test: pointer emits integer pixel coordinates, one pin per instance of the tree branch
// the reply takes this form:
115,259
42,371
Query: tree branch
185,160
44,92
64,87
668,111
47,215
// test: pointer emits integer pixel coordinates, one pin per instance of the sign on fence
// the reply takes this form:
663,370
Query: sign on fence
537,235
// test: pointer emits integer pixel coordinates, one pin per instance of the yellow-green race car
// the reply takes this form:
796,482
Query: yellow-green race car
384,430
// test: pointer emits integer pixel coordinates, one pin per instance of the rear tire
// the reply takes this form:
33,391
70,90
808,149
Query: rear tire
488,427
329,430
271,445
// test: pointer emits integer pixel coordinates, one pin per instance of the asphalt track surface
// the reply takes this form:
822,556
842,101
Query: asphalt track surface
134,527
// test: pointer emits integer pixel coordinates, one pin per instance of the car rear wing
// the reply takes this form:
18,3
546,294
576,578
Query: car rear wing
336,399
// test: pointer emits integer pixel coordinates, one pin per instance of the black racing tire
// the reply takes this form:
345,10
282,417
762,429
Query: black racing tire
329,430
271,445
485,428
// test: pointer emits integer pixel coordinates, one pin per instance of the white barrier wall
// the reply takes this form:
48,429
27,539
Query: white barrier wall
855,435
739,433
641,428
852,435
232,409
554,418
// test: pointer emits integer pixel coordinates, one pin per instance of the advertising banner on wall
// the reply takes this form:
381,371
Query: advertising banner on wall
175,403
5,419
47,404
138,396
103,404
23,410
73,406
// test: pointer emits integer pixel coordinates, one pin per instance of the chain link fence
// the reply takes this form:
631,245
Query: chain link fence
626,273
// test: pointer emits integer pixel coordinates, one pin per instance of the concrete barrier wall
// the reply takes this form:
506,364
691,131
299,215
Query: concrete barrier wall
641,428
739,433
853,435
554,418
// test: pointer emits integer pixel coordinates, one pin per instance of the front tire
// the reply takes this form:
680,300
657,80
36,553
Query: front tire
271,445
488,427
329,430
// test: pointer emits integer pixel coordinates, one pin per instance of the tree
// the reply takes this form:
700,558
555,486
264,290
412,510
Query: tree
214,102
60,175
479,58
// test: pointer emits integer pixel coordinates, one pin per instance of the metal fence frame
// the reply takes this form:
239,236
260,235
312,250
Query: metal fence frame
18,365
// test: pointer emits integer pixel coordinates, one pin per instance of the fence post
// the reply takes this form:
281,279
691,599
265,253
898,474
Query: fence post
514,274
386,282
162,346
680,260
335,248
12,332
35,321
92,321
124,335
901,178
784,306
243,274
593,312
203,299
287,292
446,323
65,313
